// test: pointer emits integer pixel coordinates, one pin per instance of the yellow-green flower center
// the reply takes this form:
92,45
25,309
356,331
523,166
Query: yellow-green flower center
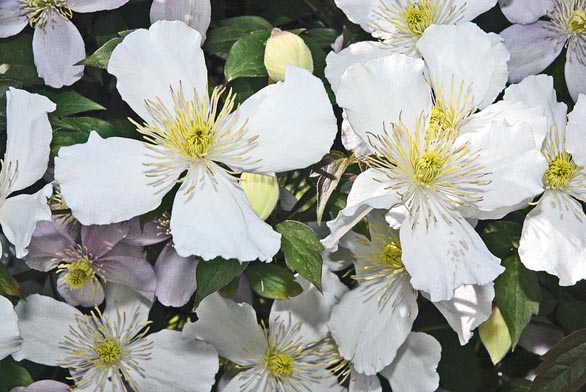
391,256
108,351
79,273
418,16
280,365
39,12
560,172
577,22
428,167
198,140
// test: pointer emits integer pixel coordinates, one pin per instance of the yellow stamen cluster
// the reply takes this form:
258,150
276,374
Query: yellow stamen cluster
391,256
280,365
577,21
79,273
560,172
428,167
109,352
39,12
418,16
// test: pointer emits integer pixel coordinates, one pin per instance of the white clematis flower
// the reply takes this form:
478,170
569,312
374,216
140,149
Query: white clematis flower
57,44
400,23
385,297
554,232
25,161
414,369
112,351
9,334
434,154
194,139
292,354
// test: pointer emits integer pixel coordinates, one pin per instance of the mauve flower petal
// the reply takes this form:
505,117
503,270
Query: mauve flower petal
175,277
100,239
133,272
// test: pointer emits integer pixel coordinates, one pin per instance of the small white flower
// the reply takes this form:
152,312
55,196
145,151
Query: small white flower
554,232
9,334
25,161
111,351
292,353
400,23
198,140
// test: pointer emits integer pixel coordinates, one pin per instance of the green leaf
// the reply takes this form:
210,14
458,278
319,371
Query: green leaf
495,336
502,237
70,102
221,38
517,295
13,375
564,366
246,58
302,249
571,313
272,281
519,385
330,171
214,275
101,57
8,285
323,37
16,59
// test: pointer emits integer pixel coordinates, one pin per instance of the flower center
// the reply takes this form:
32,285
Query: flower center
280,365
560,172
391,256
109,353
577,22
418,16
79,273
428,167
39,12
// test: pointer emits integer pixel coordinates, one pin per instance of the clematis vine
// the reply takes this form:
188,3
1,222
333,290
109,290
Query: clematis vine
113,350
400,23
25,161
554,232
57,44
292,353
192,138
439,157
535,43
87,256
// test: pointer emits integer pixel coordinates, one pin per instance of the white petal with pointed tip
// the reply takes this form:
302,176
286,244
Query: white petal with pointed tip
196,14
230,327
554,238
103,181
43,323
357,10
414,368
9,334
149,62
576,132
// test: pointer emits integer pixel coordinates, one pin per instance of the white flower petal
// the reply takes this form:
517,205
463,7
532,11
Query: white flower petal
122,299
575,73
576,132
470,307
43,323
468,57
44,386
358,53
538,91
360,323
293,120
368,191
29,136
325,381
516,172
177,364
311,308
82,6
57,47
414,368
12,20
148,63
473,8
215,219
383,90
20,214
230,327
351,141
196,14
554,238
532,49
357,10
9,334
241,381
445,256
525,11
103,181
363,383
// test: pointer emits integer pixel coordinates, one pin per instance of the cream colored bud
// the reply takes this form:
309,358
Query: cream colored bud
262,192
285,48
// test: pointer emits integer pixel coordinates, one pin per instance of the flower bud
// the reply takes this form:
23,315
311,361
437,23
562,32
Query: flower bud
262,192
285,48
